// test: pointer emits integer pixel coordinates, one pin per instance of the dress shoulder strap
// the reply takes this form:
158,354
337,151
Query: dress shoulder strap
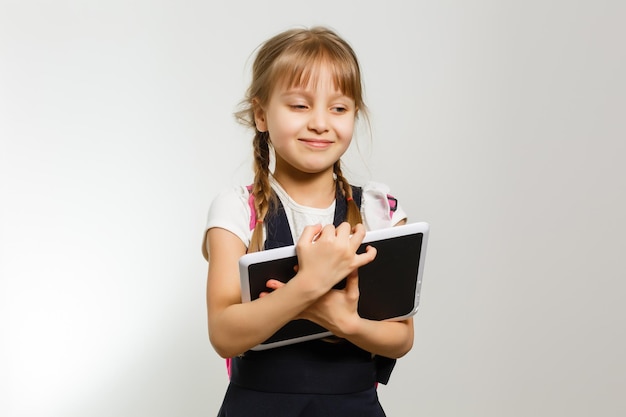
357,195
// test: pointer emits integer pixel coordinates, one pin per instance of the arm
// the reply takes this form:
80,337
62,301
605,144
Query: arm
235,327
392,339
337,312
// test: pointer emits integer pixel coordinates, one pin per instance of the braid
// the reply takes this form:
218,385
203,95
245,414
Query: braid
353,215
261,188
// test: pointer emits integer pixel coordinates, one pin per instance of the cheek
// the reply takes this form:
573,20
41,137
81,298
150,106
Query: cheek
283,125
346,130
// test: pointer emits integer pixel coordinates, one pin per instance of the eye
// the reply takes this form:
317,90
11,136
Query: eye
339,109
298,106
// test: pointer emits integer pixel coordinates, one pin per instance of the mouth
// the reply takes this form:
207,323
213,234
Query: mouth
316,143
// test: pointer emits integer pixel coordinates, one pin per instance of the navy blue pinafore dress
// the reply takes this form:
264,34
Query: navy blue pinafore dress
309,379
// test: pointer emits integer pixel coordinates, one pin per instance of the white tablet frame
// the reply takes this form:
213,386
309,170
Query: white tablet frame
371,237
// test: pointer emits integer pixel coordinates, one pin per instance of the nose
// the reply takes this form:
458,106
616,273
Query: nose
318,121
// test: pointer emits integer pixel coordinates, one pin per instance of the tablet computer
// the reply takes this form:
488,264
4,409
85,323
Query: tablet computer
389,286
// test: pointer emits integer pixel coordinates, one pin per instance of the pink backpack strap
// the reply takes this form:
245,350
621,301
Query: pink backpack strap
229,364
393,205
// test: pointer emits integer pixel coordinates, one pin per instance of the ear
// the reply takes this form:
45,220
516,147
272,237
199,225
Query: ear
259,116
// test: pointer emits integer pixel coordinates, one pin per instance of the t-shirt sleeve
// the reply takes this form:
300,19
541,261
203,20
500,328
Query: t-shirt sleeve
230,211
378,208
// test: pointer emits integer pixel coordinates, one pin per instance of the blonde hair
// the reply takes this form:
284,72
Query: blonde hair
291,58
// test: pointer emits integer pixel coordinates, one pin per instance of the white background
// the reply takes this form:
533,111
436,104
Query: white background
502,123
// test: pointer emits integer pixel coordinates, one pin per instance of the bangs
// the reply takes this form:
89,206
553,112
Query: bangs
301,69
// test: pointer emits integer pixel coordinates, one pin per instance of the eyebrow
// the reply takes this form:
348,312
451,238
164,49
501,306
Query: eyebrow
298,91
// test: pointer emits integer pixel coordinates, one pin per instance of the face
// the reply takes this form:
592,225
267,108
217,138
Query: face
309,127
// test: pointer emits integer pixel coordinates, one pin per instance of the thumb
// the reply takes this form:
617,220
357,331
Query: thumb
366,257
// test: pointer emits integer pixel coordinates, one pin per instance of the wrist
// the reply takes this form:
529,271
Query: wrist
349,327
308,289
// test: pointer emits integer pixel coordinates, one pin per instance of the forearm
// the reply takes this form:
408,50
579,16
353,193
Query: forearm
238,327
392,339
235,327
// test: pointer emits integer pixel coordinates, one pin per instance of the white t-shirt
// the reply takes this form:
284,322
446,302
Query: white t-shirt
230,210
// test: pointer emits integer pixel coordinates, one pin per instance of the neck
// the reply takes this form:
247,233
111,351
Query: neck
312,190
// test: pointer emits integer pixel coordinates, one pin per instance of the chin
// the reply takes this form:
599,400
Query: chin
315,169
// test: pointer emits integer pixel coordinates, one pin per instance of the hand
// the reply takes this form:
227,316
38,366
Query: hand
326,255
272,285
337,310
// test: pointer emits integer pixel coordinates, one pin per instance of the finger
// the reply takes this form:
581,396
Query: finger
327,233
274,284
309,233
343,230
366,257
358,234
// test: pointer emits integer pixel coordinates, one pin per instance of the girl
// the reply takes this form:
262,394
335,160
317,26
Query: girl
303,102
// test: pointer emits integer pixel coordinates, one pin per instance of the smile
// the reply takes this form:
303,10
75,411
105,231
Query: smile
317,143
